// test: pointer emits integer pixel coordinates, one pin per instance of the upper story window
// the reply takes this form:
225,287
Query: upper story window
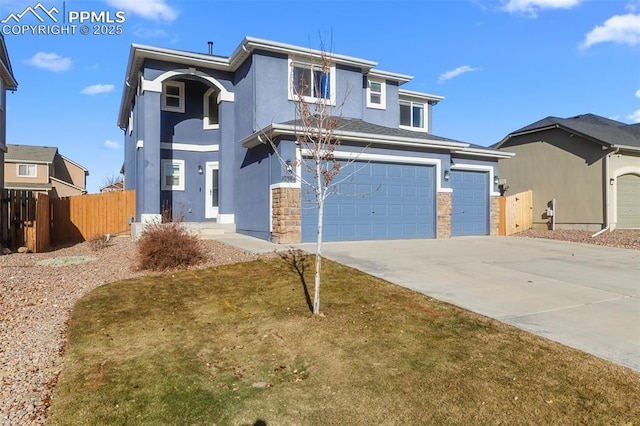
26,170
173,96
311,83
210,119
412,115
172,175
376,94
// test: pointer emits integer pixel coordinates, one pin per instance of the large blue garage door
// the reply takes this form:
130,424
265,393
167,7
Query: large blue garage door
470,202
381,201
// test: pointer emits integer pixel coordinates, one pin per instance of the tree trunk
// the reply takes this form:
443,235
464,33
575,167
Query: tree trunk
316,285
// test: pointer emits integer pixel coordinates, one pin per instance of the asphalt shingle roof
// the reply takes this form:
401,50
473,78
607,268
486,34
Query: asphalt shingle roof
605,130
30,153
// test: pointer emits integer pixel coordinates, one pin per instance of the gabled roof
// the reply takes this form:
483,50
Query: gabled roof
607,132
30,153
139,53
6,72
356,130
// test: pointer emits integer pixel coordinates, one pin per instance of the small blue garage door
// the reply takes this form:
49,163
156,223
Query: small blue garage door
382,201
470,202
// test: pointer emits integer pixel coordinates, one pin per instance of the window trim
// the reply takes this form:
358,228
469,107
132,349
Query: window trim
29,165
383,93
180,86
411,104
163,175
293,96
205,108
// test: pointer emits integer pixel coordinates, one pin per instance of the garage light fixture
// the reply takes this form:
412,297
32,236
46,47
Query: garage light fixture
446,175
496,179
200,171
612,181
289,166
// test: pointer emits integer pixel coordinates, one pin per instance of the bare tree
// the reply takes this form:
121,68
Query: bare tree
317,120
112,183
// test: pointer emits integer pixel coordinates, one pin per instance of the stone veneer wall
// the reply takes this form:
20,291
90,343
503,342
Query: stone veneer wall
444,215
286,216
494,216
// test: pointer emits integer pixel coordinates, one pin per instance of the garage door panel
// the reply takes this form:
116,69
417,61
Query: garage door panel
628,201
393,201
470,202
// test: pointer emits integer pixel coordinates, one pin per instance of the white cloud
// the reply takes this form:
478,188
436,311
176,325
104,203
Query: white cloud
155,10
456,72
634,116
531,7
638,93
111,144
97,89
621,29
50,61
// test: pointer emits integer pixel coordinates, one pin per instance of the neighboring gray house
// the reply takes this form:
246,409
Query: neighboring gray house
195,124
7,82
590,166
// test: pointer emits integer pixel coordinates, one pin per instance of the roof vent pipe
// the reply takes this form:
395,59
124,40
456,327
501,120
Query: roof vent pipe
210,43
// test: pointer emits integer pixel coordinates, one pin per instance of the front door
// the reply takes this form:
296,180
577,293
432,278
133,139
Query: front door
211,190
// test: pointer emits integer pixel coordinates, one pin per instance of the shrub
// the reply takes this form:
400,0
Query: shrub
99,241
165,246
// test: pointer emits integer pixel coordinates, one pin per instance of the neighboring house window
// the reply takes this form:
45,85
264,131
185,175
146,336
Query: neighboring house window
376,94
27,170
173,96
211,115
311,83
172,175
412,115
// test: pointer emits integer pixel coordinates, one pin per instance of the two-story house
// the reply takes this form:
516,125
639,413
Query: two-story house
7,82
196,127
43,169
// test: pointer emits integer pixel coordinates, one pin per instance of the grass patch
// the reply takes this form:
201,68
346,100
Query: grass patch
235,345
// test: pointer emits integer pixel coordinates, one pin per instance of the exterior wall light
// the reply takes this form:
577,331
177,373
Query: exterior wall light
447,175
496,179
200,171
289,166
612,181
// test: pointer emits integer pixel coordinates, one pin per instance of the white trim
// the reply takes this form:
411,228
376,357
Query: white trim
130,124
205,108
163,102
383,93
384,158
155,85
189,147
286,185
419,96
181,175
27,176
210,211
139,144
292,63
478,168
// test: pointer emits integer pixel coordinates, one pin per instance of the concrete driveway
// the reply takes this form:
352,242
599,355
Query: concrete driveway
584,296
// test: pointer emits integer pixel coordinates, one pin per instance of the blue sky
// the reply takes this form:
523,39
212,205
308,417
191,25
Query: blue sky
499,64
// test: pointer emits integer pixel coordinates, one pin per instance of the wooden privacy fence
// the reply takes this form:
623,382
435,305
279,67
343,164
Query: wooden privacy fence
37,221
82,217
516,213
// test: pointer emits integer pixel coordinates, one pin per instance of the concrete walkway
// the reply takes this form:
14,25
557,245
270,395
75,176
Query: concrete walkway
581,295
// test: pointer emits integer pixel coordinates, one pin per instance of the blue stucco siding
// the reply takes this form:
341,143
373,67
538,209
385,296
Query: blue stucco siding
148,157
190,202
252,191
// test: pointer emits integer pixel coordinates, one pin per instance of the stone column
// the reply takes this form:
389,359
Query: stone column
494,216
286,216
444,215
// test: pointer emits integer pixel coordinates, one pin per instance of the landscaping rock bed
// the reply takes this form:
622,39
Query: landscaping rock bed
629,239
37,294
